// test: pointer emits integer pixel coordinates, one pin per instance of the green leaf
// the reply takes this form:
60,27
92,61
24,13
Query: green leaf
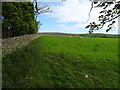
101,11
109,11
103,4
95,2
87,26
113,22
107,30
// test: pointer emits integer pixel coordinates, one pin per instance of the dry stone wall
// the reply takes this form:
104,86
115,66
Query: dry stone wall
11,44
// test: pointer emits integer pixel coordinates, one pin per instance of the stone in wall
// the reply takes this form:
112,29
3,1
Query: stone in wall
10,45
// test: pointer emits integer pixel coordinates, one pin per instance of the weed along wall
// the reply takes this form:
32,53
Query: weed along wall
11,44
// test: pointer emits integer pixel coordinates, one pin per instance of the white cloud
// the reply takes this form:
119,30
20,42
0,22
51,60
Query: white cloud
75,11
74,27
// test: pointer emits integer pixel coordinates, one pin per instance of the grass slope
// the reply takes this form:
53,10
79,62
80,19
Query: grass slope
63,61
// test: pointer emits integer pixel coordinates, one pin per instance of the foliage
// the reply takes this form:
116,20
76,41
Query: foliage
40,9
107,15
18,19
53,61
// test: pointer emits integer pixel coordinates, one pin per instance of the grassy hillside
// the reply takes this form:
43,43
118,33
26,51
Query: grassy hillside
85,35
103,35
63,61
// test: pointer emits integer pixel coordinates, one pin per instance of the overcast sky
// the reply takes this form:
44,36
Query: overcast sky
70,17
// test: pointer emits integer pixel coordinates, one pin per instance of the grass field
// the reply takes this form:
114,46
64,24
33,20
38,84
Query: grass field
53,61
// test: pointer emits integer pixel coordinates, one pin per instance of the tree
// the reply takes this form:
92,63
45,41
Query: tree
19,18
107,15
40,9
16,19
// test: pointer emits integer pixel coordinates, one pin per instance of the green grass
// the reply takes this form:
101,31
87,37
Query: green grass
102,35
63,61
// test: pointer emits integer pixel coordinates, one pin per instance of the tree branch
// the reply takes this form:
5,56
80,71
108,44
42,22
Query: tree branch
90,11
112,19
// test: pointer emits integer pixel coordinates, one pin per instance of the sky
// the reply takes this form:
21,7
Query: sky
70,17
